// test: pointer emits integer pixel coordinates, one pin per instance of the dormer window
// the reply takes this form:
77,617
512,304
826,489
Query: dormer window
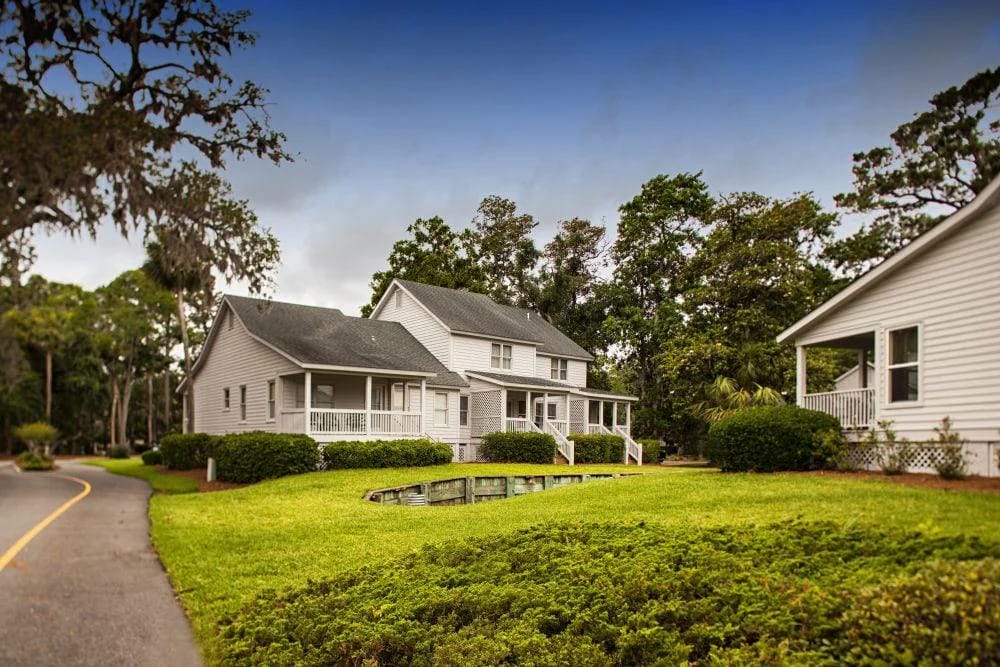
560,369
500,356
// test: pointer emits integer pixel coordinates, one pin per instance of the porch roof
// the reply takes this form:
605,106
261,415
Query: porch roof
605,393
447,379
526,381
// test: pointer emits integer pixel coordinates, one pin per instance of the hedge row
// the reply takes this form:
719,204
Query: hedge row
796,593
256,455
386,454
598,448
152,457
650,450
511,447
185,451
767,439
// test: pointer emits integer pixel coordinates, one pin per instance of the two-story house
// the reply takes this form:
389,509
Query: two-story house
429,361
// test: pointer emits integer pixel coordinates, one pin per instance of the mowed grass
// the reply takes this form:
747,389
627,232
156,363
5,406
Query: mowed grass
161,483
223,548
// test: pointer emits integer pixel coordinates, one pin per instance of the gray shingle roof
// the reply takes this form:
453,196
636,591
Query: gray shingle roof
523,380
447,379
478,314
325,336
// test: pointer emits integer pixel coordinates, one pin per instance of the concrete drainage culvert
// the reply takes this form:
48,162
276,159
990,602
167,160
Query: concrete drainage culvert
468,490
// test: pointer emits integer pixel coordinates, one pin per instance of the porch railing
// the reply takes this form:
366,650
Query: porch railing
565,445
632,448
552,427
334,421
519,425
853,407
596,429
395,423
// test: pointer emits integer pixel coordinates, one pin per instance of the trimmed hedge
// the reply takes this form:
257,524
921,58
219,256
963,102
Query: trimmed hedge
256,455
771,438
796,593
511,447
597,448
650,450
152,457
386,454
117,452
33,462
185,451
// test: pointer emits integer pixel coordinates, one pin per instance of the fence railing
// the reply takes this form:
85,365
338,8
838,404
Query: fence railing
853,407
334,421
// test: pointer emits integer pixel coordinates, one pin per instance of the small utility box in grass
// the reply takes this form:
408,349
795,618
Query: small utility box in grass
211,470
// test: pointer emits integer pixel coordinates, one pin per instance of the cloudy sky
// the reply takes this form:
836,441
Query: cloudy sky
397,112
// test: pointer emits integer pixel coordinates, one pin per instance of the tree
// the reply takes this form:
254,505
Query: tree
105,93
433,254
937,164
724,396
503,247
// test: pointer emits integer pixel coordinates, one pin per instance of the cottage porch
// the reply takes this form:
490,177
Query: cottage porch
855,408
343,406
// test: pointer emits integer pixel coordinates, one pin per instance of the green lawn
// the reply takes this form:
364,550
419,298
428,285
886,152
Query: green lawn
160,482
222,548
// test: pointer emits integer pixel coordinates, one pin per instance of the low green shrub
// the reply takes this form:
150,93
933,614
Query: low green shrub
386,454
117,452
152,457
511,447
650,450
31,461
630,594
770,438
952,462
257,455
186,451
597,448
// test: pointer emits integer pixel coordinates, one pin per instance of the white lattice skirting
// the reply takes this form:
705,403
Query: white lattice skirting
981,456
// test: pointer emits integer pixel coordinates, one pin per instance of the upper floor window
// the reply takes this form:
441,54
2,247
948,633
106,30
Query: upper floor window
500,355
904,364
560,368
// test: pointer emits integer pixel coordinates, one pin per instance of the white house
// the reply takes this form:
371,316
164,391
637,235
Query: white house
430,361
928,318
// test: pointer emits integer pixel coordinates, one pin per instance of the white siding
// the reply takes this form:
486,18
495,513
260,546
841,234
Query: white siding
576,371
952,291
473,354
449,433
418,322
234,359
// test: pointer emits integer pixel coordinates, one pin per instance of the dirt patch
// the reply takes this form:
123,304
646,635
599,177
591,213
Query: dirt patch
199,475
919,480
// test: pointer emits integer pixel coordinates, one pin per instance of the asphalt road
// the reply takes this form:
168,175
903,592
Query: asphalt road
88,589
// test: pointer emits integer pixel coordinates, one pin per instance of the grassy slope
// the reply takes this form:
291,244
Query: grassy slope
222,548
135,468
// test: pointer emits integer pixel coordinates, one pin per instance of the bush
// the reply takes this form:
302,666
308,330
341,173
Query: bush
770,438
510,447
951,462
256,455
386,454
185,451
631,594
597,448
36,435
32,461
894,454
152,457
117,452
650,450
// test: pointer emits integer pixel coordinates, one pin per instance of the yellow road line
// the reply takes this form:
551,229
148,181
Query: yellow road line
8,555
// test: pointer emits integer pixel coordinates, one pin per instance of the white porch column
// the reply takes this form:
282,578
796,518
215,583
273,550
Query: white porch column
308,401
423,402
545,409
503,409
800,375
628,418
600,412
862,368
368,405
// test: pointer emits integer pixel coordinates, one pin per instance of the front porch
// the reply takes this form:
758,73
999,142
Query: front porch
341,406
855,408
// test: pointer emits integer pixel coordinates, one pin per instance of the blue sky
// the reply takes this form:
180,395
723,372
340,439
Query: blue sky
399,111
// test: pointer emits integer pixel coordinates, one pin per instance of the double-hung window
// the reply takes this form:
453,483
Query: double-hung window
904,365
243,402
440,409
501,355
463,411
560,369
225,398
270,399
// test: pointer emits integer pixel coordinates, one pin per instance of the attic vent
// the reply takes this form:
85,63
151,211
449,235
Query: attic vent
529,315
373,339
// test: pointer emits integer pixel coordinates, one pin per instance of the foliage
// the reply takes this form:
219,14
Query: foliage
33,462
152,457
386,454
37,435
160,481
509,446
118,452
256,455
725,397
185,451
768,439
939,162
502,246
650,450
597,448
894,454
619,594
952,462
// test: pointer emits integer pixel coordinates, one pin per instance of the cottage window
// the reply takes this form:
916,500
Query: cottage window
463,411
500,355
440,409
398,395
904,365
225,398
243,402
322,396
271,399
560,368
552,411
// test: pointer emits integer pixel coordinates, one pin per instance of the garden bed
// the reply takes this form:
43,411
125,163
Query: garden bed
919,480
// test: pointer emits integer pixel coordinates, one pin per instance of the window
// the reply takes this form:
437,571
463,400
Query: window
270,399
559,369
398,394
322,396
225,398
440,409
552,411
243,402
463,411
904,365
399,299
500,355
